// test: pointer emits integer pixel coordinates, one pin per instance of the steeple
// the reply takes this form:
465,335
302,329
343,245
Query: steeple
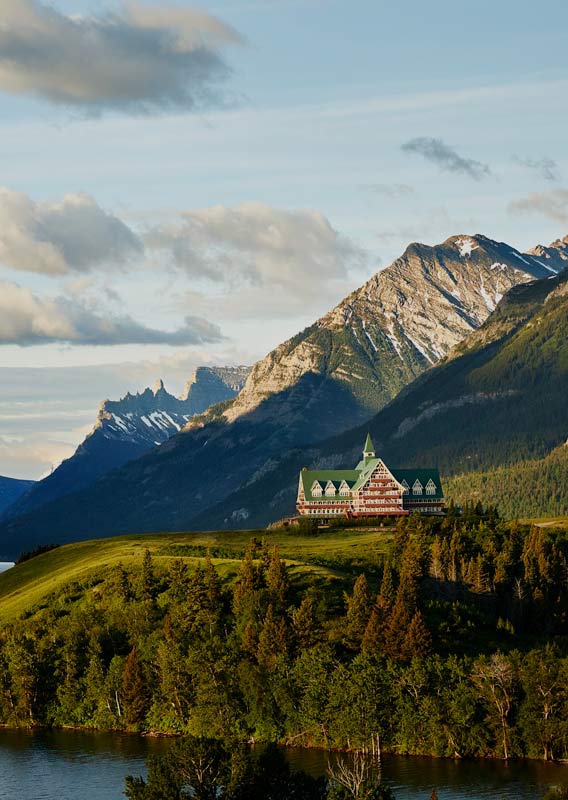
369,449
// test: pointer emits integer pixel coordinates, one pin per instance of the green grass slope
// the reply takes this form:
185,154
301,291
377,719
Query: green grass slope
330,556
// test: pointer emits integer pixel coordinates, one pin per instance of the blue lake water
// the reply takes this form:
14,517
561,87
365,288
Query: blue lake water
69,765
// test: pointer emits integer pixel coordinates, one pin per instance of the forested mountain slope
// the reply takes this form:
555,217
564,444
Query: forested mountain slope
498,401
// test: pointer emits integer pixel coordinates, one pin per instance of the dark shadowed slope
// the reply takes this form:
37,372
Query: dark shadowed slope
11,490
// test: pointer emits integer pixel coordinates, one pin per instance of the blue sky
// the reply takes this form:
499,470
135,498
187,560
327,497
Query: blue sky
210,233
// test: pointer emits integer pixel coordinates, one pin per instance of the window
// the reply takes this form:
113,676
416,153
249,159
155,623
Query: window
316,489
430,487
344,489
329,489
405,487
417,487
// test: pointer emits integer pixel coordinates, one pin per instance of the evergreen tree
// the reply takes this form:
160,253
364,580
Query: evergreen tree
358,611
134,691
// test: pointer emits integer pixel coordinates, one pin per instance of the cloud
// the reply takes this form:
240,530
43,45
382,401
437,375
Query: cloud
256,245
392,190
547,167
552,204
446,157
142,59
26,319
56,238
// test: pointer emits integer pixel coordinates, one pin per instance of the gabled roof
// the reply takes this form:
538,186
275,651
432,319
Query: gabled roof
422,475
355,478
336,476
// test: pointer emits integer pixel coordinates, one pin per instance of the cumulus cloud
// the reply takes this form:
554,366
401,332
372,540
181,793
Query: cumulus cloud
256,245
27,319
55,238
141,59
552,204
547,167
446,157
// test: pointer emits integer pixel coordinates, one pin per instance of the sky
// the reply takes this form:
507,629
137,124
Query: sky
184,185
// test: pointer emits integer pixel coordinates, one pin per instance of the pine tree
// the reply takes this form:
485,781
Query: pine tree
418,641
245,585
277,580
373,637
358,612
134,692
305,624
148,582
273,639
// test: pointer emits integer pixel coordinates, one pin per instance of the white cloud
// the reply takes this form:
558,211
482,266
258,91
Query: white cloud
55,238
27,319
552,204
256,245
140,59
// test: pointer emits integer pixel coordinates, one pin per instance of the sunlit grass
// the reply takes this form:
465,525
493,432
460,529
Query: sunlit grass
329,556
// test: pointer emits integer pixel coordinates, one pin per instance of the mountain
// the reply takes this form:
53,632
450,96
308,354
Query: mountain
554,257
403,320
129,427
332,376
492,417
11,490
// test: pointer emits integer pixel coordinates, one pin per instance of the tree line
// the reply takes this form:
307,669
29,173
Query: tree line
455,646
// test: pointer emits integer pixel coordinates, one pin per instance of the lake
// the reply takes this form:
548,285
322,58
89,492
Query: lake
70,765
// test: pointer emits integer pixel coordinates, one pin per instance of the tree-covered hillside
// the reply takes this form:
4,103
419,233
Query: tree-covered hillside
451,641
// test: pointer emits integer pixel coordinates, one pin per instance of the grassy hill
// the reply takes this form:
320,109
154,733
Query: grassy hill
332,556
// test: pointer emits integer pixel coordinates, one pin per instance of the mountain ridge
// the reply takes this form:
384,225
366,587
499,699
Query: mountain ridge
221,454
129,427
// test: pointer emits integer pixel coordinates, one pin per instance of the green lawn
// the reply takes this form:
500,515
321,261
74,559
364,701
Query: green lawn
331,555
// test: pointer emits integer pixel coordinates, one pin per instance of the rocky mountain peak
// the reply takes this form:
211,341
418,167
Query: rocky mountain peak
404,319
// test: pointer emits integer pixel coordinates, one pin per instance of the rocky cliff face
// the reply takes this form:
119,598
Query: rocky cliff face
149,418
554,257
403,320
129,427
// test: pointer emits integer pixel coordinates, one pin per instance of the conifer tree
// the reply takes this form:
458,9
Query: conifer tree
273,639
305,624
245,585
418,641
277,579
134,692
148,581
358,612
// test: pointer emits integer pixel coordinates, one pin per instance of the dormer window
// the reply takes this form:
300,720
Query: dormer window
329,489
316,489
417,487
430,487
405,487
344,490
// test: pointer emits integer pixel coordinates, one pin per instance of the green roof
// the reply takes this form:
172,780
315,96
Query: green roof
355,478
336,476
369,447
423,475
